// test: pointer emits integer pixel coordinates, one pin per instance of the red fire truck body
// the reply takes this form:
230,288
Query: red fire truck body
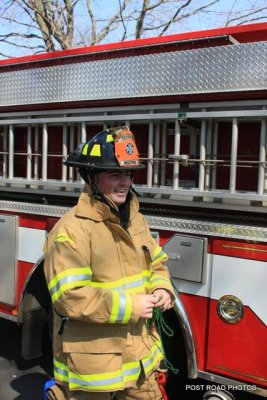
197,105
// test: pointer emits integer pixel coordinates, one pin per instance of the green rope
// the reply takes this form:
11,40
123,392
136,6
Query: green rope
162,328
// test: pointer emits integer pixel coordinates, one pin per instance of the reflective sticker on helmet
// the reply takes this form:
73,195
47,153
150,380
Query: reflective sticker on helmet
96,151
110,138
85,150
125,149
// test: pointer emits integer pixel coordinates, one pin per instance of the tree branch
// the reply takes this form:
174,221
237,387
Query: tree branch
252,20
17,22
93,22
155,5
175,19
141,20
246,15
20,35
110,26
123,23
41,18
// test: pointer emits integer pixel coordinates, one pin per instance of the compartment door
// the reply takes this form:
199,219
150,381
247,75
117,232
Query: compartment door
8,258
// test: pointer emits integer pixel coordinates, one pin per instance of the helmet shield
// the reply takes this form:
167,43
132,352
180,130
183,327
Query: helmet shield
113,148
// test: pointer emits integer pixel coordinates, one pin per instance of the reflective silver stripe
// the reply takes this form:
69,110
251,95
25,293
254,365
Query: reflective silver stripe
139,283
122,307
157,279
95,383
153,358
68,279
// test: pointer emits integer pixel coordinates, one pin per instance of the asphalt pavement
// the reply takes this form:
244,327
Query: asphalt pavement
20,379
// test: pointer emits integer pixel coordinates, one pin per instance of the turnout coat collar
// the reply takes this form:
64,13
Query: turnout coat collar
96,210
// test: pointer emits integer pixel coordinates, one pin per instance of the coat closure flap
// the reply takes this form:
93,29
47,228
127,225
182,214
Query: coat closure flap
93,339
116,228
149,248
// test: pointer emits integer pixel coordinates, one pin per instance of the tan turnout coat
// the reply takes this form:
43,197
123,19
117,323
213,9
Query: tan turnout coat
95,272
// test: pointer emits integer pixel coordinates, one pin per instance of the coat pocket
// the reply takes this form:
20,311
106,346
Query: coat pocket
93,351
93,338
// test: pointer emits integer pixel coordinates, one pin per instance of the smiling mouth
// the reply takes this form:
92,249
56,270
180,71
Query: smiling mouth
120,191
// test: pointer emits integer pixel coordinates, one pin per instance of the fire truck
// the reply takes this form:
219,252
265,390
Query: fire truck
197,104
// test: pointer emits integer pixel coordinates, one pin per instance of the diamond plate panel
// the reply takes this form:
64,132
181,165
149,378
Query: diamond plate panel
208,228
216,69
31,208
157,223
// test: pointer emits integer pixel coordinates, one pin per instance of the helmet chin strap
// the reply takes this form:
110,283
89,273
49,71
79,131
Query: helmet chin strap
91,180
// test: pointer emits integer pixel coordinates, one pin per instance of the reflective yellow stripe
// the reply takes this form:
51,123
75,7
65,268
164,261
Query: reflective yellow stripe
152,360
159,256
68,286
158,280
121,308
96,151
105,381
79,277
110,138
69,279
131,371
63,237
131,284
93,383
69,272
61,372
85,150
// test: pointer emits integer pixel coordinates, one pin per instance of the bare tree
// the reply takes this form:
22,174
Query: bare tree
35,26
40,25
55,21
180,12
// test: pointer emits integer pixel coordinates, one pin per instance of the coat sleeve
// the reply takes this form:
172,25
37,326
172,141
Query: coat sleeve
160,278
68,274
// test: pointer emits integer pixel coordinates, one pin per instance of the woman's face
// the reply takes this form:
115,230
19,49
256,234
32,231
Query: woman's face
114,185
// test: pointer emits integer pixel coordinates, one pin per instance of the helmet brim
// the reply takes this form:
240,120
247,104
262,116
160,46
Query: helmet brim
99,167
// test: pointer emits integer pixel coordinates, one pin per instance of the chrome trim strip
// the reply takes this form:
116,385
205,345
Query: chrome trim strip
188,337
171,116
231,382
163,116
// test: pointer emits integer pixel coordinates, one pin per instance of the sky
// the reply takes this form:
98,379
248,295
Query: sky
216,16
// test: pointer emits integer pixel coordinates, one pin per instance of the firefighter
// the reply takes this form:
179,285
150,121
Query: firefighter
105,274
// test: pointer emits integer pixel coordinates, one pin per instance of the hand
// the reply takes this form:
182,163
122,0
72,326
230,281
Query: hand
148,302
163,299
